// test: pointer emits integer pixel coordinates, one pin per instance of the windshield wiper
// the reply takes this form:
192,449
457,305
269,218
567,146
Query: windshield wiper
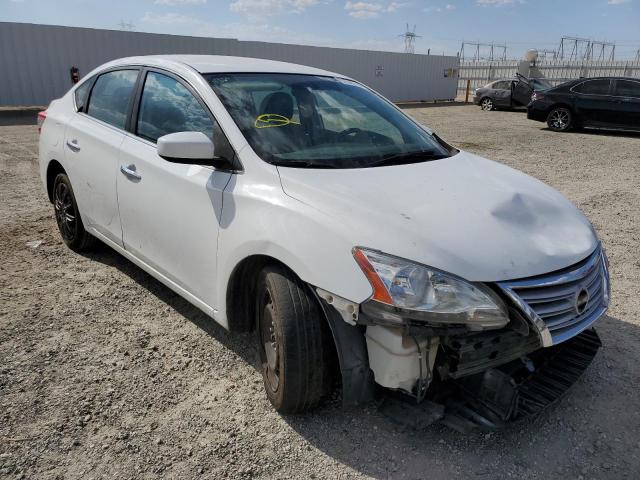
406,157
302,164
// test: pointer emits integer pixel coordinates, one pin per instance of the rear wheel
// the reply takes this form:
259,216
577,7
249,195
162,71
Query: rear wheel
487,104
560,119
292,338
67,216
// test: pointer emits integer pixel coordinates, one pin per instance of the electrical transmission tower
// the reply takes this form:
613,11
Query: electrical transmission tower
410,39
126,26
574,48
604,50
544,54
484,51
586,49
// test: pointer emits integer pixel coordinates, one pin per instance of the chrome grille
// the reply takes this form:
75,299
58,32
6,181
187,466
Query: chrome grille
563,304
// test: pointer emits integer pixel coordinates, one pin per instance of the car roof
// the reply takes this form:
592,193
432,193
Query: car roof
581,79
223,64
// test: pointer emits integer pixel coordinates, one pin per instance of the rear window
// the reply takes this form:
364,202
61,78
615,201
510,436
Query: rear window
593,87
81,94
628,88
110,97
502,85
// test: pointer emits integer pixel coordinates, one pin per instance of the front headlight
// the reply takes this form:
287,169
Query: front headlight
428,294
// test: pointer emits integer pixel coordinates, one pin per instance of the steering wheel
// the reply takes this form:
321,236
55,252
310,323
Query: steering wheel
349,131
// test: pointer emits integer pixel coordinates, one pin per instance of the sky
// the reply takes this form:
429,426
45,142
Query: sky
442,25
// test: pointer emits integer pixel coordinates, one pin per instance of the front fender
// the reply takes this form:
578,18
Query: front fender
263,220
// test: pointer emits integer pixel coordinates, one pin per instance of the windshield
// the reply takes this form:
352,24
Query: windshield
321,122
539,84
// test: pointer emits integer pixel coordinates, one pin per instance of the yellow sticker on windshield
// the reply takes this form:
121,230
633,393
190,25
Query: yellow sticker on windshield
268,120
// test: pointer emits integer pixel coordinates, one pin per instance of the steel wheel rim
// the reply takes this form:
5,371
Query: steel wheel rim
487,104
269,344
65,211
560,119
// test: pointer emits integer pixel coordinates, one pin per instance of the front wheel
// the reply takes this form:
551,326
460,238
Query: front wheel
487,104
292,339
560,119
67,215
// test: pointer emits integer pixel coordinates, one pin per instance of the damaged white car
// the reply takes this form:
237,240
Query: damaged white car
362,249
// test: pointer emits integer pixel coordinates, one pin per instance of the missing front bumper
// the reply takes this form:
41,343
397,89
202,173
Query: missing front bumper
498,396
518,389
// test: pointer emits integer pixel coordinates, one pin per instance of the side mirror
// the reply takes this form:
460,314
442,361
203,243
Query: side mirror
192,148
426,129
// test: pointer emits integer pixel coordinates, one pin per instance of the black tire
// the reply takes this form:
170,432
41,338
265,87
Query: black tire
560,119
68,217
292,336
487,104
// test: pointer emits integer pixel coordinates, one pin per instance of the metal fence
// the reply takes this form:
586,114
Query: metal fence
35,61
479,73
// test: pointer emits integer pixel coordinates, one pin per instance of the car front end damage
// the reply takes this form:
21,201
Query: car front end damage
476,354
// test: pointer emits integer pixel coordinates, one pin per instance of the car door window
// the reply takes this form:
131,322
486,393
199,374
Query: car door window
593,87
110,97
501,85
167,106
81,94
627,88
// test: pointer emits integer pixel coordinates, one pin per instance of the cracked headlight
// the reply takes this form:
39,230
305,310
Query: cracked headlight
407,289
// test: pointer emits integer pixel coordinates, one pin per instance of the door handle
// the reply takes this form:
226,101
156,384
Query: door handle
130,171
73,145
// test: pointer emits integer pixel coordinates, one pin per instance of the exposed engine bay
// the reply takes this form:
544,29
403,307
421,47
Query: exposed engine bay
465,379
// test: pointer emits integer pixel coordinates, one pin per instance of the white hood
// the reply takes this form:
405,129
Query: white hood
466,215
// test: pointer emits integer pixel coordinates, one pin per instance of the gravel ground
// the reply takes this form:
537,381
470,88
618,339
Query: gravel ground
105,373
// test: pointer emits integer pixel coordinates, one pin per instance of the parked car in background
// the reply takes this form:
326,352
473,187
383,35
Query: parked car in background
299,204
508,93
611,103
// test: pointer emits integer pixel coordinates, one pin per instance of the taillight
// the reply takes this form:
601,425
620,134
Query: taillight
41,118
536,96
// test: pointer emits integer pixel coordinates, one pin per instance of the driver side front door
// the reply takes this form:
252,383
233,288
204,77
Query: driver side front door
170,212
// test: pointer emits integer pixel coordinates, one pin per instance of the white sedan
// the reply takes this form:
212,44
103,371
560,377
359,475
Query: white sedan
357,244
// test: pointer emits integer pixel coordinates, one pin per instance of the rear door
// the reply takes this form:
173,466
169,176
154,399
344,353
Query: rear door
92,145
501,93
170,212
521,93
594,105
627,103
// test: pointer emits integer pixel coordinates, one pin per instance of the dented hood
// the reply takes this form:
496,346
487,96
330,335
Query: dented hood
466,215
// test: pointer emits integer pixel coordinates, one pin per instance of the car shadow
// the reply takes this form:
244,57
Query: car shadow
597,132
366,441
239,343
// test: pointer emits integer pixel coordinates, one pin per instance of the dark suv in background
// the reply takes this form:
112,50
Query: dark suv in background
611,103
508,93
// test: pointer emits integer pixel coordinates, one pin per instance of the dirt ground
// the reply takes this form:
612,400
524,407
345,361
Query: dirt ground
105,373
